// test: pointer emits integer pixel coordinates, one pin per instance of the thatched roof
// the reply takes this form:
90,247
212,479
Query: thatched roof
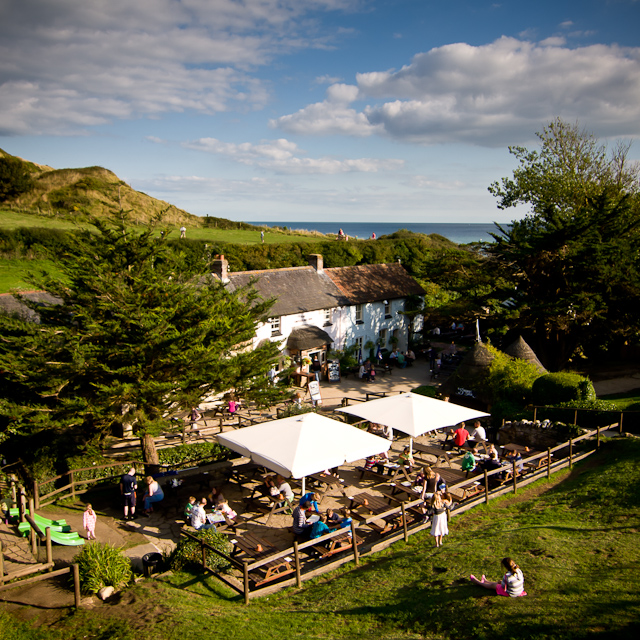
471,369
307,338
521,350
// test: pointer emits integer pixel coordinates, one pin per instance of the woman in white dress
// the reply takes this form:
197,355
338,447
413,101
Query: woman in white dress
440,504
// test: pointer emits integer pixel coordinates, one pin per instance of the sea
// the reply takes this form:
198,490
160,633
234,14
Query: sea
458,232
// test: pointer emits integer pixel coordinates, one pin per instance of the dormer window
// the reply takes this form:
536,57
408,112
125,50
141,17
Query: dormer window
359,319
387,309
327,317
275,326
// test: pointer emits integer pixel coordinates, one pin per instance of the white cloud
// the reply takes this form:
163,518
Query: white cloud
72,64
283,156
488,95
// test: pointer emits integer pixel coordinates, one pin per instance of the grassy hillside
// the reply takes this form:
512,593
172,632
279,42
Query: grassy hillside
576,541
73,194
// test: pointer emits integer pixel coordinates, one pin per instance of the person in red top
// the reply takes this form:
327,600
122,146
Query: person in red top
460,435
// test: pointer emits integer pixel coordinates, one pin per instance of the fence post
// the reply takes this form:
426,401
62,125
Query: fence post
36,494
570,453
245,575
1,564
354,542
73,484
515,479
22,504
404,522
203,554
549,463
49,551
575,417
621,417
32,510
535,413
296,557
486,487
32,542
76,584
14,493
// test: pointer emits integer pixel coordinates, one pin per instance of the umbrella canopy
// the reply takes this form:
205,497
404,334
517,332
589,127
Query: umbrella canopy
304,444
413,413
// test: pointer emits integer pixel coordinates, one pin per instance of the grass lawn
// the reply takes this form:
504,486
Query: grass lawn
576,541
12,269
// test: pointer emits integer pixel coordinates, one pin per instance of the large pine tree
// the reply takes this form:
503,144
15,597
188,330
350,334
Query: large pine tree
137,330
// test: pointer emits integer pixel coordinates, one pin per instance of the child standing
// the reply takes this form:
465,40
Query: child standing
89,522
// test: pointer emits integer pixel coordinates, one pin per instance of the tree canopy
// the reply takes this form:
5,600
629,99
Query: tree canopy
137,330
569,272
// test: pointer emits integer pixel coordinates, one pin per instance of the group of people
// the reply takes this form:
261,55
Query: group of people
128,491
195,511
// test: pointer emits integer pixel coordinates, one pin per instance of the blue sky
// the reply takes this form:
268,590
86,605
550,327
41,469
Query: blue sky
313,110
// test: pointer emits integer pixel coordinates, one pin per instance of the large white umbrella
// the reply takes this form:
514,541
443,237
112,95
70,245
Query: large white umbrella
412,413
304,444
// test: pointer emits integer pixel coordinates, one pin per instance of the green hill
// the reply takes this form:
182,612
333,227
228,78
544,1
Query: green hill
79,193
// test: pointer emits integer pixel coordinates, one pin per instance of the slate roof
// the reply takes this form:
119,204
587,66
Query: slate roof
296,289
374,282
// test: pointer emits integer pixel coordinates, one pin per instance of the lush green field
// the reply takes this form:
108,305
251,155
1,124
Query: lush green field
577,544
12,269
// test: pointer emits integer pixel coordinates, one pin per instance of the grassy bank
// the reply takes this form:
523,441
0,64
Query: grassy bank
576,541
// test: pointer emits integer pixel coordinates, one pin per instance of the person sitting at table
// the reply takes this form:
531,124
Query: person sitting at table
229,514
469,461
515,456
460,435
406,458
419,481
300,525
189,508
199,517
283,492
346,518
319,527
153,494
312,498
491,463
216,497
491,448
333,518
401,361
410,356
478,434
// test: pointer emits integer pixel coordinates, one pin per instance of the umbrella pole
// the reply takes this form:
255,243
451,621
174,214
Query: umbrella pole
304,478
411,446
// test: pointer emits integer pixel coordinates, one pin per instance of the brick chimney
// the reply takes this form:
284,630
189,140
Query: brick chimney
315,260
220,268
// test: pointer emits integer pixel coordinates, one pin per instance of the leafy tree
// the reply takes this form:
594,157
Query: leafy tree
568,274
15,178
136,332
570,169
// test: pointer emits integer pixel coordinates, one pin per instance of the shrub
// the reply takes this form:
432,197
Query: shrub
188,552
103,565
425,390
562,387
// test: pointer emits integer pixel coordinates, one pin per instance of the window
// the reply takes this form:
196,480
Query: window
382,338
275,326
358,346
359,319
327,317
387,309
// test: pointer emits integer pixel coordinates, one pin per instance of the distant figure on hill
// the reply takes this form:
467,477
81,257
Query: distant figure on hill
183,231
262,237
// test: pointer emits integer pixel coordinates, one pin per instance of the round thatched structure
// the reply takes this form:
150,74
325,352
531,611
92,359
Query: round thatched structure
521,350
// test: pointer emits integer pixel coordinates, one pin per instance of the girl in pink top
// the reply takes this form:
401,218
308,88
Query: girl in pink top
89,522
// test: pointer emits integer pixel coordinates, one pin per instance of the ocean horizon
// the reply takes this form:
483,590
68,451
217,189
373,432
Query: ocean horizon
458,232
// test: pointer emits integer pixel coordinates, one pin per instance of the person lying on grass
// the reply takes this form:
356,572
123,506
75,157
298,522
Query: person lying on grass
512,583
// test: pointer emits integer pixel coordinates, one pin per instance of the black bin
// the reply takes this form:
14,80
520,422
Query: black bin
151,563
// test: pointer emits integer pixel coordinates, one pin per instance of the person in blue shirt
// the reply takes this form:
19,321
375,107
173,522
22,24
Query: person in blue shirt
312,499
319,528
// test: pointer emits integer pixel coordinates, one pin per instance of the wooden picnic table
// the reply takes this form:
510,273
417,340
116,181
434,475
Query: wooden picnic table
257,548
327,480
455,476
337,544
377,505
437,452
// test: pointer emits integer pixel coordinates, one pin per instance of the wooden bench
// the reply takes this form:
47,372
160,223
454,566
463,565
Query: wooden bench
259,549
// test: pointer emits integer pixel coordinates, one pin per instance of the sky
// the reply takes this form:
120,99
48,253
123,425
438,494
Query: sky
313,110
